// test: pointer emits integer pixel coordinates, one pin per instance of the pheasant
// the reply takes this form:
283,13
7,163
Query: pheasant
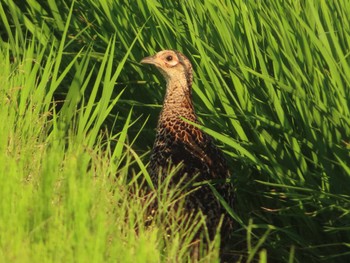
179,143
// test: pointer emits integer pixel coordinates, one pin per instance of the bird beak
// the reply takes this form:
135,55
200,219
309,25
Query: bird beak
148,60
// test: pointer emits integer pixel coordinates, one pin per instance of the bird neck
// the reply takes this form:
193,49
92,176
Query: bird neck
178,94
178,99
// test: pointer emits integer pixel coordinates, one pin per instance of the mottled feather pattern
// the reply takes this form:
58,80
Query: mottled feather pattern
179,142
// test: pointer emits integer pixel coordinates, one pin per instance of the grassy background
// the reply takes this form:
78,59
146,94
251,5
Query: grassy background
78,114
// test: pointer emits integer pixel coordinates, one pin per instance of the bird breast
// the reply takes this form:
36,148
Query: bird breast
179,129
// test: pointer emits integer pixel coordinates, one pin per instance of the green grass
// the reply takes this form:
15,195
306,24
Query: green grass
78,114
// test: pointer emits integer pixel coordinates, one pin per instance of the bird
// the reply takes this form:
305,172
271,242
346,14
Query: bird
179,143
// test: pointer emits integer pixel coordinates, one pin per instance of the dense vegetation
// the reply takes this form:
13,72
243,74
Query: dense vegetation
78,113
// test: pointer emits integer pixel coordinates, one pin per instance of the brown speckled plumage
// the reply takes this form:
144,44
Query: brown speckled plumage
178,141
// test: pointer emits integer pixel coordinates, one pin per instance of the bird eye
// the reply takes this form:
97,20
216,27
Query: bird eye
169,58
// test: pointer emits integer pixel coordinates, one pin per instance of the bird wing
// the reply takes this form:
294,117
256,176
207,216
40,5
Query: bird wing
200,145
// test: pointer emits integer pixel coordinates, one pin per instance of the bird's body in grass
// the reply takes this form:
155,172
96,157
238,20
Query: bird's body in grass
179,143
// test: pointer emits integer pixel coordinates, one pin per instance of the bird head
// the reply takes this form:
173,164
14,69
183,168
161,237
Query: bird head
172,64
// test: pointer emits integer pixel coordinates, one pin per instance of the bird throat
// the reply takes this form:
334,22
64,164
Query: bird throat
178,100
